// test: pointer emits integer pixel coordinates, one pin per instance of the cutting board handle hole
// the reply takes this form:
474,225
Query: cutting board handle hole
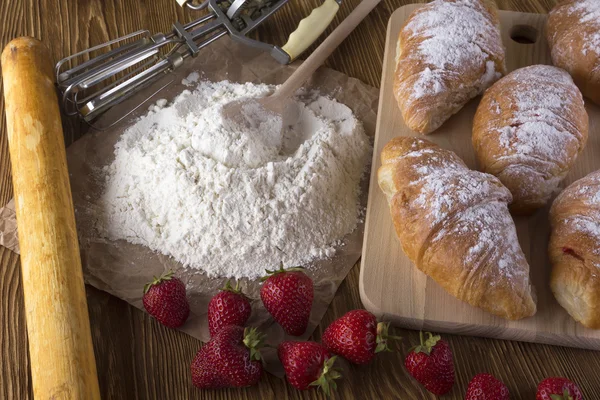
524,34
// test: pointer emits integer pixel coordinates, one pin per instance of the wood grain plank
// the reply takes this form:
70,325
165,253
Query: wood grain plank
140,359
15,381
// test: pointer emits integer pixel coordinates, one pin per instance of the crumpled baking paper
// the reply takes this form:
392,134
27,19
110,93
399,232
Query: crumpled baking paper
122,269
8,227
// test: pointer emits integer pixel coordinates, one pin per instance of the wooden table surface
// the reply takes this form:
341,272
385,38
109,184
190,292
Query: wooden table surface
140,359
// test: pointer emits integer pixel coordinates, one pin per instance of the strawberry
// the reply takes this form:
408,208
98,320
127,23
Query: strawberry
486,387
228,307
431,364
558,389
288,296
308,364
164,298
229,359
357,336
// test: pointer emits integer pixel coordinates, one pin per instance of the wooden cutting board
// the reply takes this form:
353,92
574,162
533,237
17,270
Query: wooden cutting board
392,288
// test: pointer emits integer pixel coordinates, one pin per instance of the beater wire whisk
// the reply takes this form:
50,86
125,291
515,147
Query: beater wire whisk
127,64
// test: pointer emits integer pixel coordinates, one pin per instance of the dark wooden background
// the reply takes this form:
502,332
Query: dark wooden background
140,359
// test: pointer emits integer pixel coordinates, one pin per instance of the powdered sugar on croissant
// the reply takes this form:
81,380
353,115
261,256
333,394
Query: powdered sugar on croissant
575,250
454,225
528,131
449,51
573,33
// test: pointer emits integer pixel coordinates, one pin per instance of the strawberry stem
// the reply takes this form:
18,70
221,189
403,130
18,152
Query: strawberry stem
253,340
566,395
167,276
383,337
327,379
426,345
229,288
279,271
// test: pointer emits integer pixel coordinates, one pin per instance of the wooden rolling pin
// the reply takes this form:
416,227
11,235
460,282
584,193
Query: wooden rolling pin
60,342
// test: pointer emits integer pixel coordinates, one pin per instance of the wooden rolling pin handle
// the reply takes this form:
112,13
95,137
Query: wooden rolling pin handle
60,343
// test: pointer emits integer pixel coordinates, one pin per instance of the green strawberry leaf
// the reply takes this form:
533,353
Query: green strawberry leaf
167,276
383,337
253,340
279,271
564,396
327,379
427,345
229,288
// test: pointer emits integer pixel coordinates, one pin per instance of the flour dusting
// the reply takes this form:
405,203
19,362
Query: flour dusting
457,34
542,99
574,38
447,207
588,12
235,202
577,209
529,129
460,203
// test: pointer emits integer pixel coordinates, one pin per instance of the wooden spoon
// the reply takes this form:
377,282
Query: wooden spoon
276,103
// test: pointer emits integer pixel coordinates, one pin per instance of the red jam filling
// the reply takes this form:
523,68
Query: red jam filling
572,253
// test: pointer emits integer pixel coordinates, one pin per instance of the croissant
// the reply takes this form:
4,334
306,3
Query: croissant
454,225
575,250
573,33
449,51
528,131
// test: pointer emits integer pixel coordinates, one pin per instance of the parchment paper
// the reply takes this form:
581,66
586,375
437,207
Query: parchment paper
122,269
8,227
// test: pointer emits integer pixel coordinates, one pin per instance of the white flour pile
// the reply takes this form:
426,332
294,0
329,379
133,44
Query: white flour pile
236,202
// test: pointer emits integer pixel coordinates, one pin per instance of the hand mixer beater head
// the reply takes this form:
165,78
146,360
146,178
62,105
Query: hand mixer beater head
132,62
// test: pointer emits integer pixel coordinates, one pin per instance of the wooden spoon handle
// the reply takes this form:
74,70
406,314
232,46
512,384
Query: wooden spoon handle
60,342
318,57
